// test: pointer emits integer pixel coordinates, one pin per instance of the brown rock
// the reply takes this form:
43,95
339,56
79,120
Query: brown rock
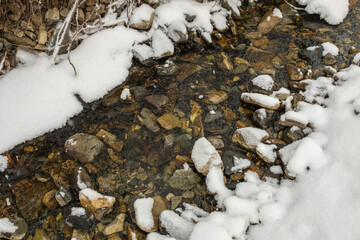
196,110
160,205
115,226
157,101
80,235
241,65
52,15
49,199
148,119
134,234
215,97
294,73
95,202
229,114
169,121
224,62
143,24
42,37
268,102
255,55
110,139
268,22
329,59
261,42
253,35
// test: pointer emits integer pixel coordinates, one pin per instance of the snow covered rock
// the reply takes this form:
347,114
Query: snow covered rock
261,84
142,17
143,53
161,44
261,100
270,20
83,147
264,118
14,229
97,203
266,152
233,6
219,21
292,118
204,156
249,137
78,218
178,227
115,226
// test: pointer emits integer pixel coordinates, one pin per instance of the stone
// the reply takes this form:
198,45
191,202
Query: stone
49,199
169,121
215,97
95,202
253,35
157,101
115,226
228,160
63,196
40,234
134,234
261,42
268,22
213,116
231,6
160,204
229,114
80,235
18,41
42,39
224,62
261,100
264,118
167,69
175,201
184,179
83,147
293,134
253,54
264,68
329,59
78,218
82,179
216,141
52,15
146,19
241,65
138,92
249,137
110,139
293,72
148,119
263,84
20,231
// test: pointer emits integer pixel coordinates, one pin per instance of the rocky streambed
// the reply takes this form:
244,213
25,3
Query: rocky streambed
81,181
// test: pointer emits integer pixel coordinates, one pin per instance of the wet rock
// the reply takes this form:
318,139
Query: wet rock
184,141
167,69
249,137
138,92
78,218
212,116
49,199
241,65
95,202
215,97
83,147
228,160
261,42
268,22
148,119
169,121
52,15
20,231
115,226
175,201
110,139
294,73
329,59
157,101
184,179
63,196
293,134
110,182
261,100
40,234
264,118
80,235
146,19
229,114
224,62
256,55
216,141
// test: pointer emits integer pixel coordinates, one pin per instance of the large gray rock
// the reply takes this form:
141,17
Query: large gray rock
83,147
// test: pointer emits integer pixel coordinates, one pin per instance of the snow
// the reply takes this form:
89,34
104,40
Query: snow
204,154
77,211
268,151
277,13
276,169
260,99
143,212
297,117
332,11
219,20
177,227
263,81
157,236
140,14
125,94
6,226
240,164
330,48
143,52
215,184
161,44
3,163
312,48
94,195
356,59
252,136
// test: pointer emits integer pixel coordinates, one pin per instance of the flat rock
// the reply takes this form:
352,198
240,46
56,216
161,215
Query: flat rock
215,97
110,139
224,62
241,65
263,84
115,226
95,202
293,72
148,119
253,54
83,147
169,121
261,100
268,22
157,101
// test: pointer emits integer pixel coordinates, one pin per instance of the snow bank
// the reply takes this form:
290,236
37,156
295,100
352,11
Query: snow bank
332,11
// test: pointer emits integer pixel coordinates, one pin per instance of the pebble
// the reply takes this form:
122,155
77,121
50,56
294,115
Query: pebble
169,121
215,97
115,226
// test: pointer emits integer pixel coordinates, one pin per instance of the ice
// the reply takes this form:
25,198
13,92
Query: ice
252,136
268,151
276,169
143,212
6,226
204,155
263,81
260,99
3,163
175,225
330,48
277,13
240,164
332,11
77,211
141,13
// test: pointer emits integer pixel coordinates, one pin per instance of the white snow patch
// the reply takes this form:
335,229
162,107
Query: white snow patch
143,212
77,211
277,13
276,169
240,164
3,163
266,101
141,13
330,48
204,154
264,82
268,151
125,94
6,226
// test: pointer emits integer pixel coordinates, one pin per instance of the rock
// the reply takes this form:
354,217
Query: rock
18,41
231,5
110,139
175,201
157,101
148,119
261,42
294,73
52,15
82,179
224,62
78,218
95,202
229,114
63,196
83,147
263,84
215,97
292,118
162,45
49,199
204,156
160,205
264,68
138,92
42,37
249,137
169,121
80,235
40,234
212,116
216,141
253,35
184,179
256,55
134,234
228,160
329,59
184,141
115,226
20,231
269,21
293,134
167,69
241,65
264,118
261,100
142,17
